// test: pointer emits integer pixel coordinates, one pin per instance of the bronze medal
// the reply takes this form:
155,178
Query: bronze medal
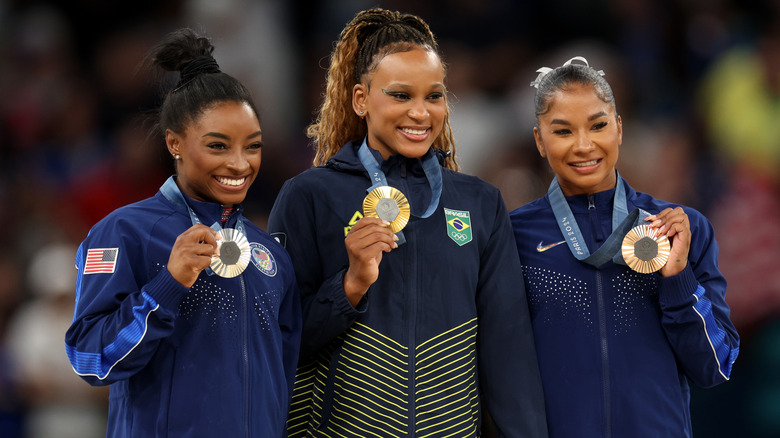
645,251
388,203
234,254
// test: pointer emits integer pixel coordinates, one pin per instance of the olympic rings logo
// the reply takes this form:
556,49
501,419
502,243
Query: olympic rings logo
459,236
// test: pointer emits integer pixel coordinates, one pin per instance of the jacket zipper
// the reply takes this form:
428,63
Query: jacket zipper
413,302
244,343
605,387
595,224
604,357
245,353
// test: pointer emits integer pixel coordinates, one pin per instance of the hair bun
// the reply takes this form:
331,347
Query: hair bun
200,65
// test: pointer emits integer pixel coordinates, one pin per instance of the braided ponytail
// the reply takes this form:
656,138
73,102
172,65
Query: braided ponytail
363,43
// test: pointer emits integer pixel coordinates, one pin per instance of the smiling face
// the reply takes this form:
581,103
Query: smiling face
580,135
404,103
220,153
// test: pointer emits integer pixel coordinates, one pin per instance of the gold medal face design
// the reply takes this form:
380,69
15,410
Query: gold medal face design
234,254
388,203
644,251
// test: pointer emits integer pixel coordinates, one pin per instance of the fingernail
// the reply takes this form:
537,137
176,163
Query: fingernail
395,237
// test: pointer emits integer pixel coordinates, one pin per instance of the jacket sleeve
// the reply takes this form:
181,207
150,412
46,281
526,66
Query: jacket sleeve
326,311
508,368
118,323
695,313
290,326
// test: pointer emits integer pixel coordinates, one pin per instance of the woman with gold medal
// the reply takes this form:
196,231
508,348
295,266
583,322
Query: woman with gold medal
188,310
415,319
627,302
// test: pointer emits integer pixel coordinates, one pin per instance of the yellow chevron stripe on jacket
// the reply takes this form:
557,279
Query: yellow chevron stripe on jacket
366,384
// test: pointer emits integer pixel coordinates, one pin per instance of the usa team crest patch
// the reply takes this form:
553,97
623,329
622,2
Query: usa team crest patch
263,259
458,226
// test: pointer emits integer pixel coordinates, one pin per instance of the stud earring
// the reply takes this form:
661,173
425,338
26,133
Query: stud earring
361,112
176,157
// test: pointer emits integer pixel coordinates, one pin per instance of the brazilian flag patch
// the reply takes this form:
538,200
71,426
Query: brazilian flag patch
458,226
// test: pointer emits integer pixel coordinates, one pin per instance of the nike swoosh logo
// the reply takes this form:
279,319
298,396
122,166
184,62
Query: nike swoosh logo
540,248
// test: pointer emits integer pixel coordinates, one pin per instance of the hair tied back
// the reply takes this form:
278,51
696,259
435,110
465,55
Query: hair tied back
544,70
200,65
393,22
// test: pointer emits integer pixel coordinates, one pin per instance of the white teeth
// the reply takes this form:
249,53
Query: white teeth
585,163
414,131
231,182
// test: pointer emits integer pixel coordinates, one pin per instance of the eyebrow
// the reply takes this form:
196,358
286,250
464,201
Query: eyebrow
389,87
225,137
566,122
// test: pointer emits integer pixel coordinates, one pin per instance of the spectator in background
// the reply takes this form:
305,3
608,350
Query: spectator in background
13,408
60,405
739,101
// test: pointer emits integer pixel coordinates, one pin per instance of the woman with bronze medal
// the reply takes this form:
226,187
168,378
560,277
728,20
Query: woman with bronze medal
415,320
627,303
189,311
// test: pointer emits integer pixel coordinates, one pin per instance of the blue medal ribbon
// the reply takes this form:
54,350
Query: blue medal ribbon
622,223
430,166
172,193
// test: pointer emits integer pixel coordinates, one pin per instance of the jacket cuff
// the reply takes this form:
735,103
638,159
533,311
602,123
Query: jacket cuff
166,290
339,297
678,288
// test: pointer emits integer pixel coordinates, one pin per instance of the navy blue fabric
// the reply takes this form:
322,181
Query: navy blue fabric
217,359
426,287
616,348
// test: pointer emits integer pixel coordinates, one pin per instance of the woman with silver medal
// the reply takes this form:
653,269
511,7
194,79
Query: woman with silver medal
188,310
627,302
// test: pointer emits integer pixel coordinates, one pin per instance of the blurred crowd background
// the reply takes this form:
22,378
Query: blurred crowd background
697,84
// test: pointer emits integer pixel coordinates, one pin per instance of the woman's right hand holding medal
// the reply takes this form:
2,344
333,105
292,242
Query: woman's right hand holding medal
191,253
674,223
365,242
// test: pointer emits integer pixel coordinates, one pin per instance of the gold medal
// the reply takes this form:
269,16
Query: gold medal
388,203
644,251
234,254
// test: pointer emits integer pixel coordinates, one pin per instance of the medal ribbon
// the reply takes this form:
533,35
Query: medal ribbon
172,193
622,222
430,165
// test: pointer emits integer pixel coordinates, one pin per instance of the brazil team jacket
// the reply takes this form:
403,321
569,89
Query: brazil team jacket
214,360
617,348
443,329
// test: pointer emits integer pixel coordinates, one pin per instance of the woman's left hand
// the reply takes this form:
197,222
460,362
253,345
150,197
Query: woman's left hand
675,224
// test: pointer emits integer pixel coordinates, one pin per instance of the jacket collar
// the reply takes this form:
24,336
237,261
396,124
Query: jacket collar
207,212
347,159
602,200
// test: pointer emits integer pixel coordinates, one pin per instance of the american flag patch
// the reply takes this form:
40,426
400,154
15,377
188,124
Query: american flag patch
101,260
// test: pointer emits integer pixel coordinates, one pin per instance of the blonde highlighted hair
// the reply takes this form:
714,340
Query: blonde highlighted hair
369,37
